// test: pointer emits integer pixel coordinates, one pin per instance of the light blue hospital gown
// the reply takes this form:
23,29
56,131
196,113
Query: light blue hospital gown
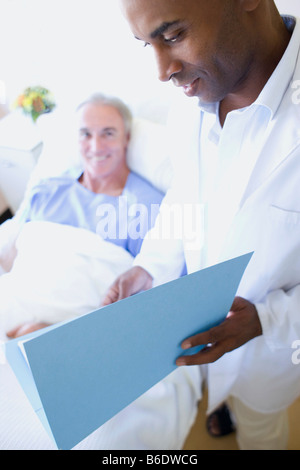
123,220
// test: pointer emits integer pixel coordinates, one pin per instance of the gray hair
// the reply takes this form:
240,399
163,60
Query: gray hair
117,103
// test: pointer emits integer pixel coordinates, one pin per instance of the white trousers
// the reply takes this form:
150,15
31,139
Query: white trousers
259,431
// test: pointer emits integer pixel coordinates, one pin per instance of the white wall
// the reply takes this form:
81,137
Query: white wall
289,6
75,47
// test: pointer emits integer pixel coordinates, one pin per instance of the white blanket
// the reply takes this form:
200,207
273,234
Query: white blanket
61,272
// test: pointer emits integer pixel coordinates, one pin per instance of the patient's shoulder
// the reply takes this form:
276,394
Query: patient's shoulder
48,188
143,189
66,179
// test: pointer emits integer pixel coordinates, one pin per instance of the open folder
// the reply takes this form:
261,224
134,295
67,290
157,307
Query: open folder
78,374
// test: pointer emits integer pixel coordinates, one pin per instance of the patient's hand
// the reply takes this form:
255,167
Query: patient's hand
25,328
7,258
132,281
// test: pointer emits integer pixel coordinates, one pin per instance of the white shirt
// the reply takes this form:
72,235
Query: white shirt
228,155
252,203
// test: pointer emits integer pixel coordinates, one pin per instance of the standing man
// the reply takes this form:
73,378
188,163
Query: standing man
237,152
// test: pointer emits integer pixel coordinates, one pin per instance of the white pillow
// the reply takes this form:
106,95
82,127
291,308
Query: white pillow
147,152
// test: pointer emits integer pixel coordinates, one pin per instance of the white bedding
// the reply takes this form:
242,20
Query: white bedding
61,272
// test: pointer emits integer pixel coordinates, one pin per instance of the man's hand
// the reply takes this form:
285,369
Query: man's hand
132,281
25,329
240,326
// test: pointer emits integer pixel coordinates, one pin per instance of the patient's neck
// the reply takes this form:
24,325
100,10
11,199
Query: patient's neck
111,184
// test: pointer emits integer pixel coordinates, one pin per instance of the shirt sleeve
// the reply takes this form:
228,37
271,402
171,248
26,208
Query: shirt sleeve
279,317
162,254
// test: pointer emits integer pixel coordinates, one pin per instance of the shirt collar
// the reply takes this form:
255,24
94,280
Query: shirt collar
272,93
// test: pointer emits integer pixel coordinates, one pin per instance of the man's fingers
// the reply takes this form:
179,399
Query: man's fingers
125,288
240,326
111,296
25,329
118,291
202,339
207,355
12,333
129,283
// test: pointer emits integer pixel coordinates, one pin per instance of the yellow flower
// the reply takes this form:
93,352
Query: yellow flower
27,103
35,101
20,100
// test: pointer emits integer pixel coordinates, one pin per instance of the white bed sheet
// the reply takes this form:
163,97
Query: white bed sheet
59,272
158,420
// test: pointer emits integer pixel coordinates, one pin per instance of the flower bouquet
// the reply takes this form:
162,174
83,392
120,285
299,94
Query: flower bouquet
35,101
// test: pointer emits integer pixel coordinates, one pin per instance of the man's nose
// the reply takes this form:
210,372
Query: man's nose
96,144
167,65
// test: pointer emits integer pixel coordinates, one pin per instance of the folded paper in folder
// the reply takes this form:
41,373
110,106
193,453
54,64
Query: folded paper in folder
79,374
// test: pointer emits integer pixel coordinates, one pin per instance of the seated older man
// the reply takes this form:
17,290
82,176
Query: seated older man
102,195
82,197
79,231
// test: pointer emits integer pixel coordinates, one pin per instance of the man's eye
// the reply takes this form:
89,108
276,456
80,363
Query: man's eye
85,135
173,39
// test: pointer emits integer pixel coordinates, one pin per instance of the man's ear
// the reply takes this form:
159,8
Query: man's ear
250,5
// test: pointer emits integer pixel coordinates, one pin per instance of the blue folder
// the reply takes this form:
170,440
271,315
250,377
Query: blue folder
78,374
